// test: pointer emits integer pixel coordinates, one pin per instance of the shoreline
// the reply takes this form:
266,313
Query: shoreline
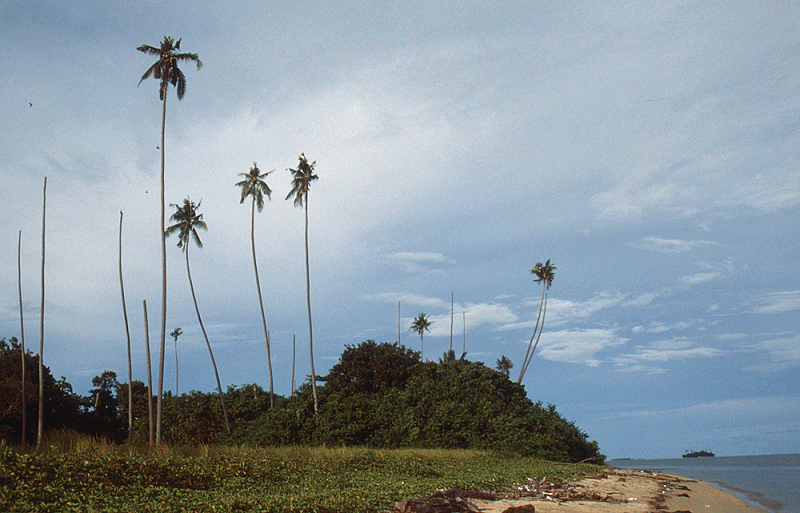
616,490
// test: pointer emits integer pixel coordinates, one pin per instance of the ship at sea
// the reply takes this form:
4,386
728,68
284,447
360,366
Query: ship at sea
698,454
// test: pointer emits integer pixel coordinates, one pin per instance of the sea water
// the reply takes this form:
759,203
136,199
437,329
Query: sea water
771,482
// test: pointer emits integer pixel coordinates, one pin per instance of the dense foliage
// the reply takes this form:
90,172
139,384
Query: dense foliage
377,395
97,478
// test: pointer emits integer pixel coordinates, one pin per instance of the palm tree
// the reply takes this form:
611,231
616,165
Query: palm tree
149,376
40,429
504,365
544,274
175,334
301,182
22,337
166,70
128,336
187,222
254,185
420,325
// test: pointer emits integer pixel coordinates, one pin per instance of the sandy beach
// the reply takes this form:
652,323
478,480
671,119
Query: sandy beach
624,491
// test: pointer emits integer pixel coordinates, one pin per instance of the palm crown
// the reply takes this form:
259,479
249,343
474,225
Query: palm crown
544,273
301,180
187,222
166,67
421,324
255,186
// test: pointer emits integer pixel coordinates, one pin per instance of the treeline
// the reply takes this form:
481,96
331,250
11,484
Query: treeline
377,395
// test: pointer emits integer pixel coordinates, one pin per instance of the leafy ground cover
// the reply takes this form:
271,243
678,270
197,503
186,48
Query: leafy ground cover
100,477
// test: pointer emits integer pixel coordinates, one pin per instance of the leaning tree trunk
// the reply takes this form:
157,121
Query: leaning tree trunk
529,353
128,336
163,276
149,375
40,430
22,338
261,302
208,344
310,335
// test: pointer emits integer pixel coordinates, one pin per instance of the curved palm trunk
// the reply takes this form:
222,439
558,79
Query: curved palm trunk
40,430
261,302
163,279
529,353
22,338
421,348
208,344
128,336
310,336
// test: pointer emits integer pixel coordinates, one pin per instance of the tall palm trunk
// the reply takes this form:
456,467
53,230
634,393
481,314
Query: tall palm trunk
308,300
149,375
261,301
128,335
163,277
22,338
529,353
40,430
208,344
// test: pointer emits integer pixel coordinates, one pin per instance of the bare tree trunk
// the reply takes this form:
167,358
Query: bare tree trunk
40,430
208,344
163,279
128,336
464,328
451,322
22,338
261,302
149,375
293,360
398,323
310,335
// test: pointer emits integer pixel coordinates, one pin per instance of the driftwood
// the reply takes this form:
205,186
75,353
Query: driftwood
447,501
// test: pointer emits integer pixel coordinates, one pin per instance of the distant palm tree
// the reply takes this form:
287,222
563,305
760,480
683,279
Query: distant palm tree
420,325
544,274
166,70
127,336
40,429
504,365
187,222
301,183
175,334
254,185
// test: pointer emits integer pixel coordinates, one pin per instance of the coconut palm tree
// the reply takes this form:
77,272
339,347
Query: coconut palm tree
544,274
504,365
187,222
175,334
128,336
420,325
165,70
301,182
254,185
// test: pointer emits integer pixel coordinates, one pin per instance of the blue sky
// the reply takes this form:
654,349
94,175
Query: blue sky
650,151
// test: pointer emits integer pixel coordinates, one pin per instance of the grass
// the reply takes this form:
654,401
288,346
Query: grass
75,473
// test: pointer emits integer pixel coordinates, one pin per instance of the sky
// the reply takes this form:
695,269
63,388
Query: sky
649,150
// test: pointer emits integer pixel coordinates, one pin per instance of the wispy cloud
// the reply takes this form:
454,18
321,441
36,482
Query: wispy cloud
779,302
579,346
668,245
421,261
781,353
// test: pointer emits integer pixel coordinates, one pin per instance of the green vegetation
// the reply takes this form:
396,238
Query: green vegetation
80,474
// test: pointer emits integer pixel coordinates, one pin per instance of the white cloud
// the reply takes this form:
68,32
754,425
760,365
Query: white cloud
698,278
782,353
668,245
779,302
578,346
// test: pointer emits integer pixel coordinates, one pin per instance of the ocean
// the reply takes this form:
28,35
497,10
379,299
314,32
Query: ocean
771,482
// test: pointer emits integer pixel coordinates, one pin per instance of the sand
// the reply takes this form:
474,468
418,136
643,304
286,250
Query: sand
628,491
